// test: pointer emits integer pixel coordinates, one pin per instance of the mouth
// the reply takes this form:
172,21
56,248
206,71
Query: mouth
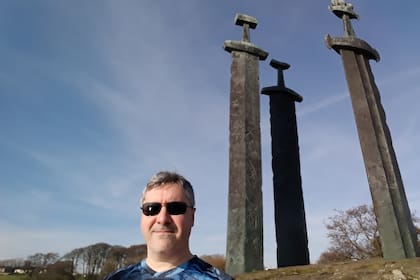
163,231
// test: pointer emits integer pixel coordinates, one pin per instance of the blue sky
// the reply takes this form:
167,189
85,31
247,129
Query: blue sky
96,96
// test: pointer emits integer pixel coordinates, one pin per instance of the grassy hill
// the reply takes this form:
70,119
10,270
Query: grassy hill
373,269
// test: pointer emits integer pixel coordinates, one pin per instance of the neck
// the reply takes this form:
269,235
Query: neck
162,262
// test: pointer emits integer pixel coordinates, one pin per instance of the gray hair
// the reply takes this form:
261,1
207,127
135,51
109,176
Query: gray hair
166,177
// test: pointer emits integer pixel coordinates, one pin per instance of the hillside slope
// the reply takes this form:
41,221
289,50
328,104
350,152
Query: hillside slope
373,269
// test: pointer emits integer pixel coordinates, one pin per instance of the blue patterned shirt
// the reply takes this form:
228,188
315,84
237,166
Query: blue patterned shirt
194,269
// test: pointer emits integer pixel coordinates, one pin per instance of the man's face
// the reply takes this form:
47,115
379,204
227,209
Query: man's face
164,233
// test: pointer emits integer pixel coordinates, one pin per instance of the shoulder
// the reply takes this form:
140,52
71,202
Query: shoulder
203,270
125,272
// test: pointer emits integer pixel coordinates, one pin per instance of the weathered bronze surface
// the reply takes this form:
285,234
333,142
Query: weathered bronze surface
244,250
289,210
396,229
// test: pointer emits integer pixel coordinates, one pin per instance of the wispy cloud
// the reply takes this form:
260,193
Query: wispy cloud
326,102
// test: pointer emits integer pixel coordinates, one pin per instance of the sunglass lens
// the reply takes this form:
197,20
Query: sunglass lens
173,208
176,208
151,209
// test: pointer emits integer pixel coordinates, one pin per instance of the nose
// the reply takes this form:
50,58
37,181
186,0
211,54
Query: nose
163,217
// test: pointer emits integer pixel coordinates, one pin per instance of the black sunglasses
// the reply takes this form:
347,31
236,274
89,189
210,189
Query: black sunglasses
173,208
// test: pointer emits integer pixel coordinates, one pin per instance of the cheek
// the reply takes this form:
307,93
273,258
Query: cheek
187,221
145,224
141,225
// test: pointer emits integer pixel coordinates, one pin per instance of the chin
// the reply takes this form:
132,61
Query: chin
163,246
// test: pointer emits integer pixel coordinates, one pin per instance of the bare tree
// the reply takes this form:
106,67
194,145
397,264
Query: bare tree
354,235
94,257
59,270
101,258
37,259
117,258
12,262
41,259
120,256
75,256
135,253
51,258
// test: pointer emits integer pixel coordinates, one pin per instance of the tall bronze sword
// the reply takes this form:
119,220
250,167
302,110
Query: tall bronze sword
289,209
396,229
244,250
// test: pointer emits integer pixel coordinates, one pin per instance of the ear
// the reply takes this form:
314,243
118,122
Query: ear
193,217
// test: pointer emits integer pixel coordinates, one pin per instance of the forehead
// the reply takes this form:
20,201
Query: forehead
166,192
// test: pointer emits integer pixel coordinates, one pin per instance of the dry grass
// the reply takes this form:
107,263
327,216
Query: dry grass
373,269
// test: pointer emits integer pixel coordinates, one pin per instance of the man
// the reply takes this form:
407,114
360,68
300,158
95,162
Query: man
168,208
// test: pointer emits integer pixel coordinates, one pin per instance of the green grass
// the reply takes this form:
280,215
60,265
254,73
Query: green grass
13,277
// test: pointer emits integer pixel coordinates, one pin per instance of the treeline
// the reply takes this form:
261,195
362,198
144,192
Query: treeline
102,258
38,259
92,262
